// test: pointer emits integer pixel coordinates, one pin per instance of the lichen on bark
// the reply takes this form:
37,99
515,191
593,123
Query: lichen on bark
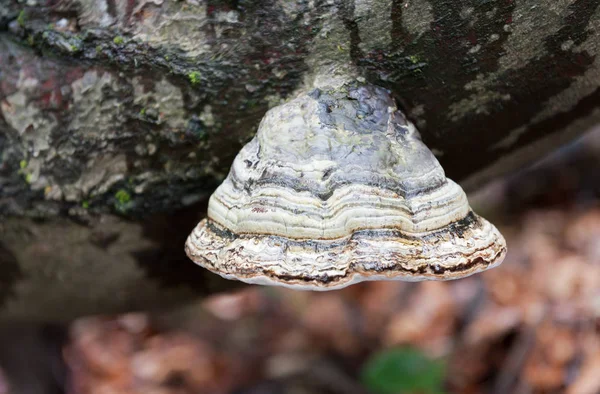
138,107
151,93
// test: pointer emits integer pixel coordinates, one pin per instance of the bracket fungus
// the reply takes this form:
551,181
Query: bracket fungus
338,188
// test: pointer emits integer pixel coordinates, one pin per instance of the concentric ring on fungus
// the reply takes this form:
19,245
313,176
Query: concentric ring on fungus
338,188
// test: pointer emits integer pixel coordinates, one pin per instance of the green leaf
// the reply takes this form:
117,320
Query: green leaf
403,371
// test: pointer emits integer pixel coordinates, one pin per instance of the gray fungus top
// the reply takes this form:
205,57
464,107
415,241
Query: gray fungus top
337,188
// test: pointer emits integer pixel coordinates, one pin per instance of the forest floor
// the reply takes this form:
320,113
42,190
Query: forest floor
531,325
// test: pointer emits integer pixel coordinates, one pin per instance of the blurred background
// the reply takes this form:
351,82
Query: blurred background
530,326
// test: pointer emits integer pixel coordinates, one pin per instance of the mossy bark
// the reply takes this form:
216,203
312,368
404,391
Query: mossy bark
137,108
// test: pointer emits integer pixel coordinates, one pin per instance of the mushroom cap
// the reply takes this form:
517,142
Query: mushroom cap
338,188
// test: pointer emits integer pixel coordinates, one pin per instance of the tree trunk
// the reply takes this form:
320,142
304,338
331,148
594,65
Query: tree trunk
118,118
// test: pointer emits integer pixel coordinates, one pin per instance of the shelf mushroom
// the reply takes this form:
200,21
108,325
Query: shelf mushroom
338,188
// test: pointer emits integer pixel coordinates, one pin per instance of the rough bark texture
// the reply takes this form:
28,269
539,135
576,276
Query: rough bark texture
133,107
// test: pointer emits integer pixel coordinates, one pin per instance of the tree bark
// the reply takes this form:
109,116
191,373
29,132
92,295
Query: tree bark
136,108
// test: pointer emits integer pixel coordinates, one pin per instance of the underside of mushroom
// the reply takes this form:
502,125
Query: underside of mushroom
338,188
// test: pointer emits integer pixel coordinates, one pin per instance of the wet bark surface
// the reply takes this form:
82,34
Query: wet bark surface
122,112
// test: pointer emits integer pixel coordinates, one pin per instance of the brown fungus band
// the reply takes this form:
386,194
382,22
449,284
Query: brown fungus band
338,188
